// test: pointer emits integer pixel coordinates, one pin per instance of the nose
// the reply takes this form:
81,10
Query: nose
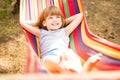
54,19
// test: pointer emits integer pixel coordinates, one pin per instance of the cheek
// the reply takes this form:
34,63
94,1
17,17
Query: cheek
47,22
61,22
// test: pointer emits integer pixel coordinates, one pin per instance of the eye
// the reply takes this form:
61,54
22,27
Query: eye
58,16
50,17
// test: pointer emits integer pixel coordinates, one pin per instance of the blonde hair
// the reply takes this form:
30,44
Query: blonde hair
51,10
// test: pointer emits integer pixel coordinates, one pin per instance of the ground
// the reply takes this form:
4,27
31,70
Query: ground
102,17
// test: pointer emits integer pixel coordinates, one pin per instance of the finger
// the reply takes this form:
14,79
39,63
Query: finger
99,54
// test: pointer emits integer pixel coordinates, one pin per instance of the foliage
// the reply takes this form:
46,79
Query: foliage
8,7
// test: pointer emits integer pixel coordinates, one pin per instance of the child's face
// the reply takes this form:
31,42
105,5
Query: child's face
53,22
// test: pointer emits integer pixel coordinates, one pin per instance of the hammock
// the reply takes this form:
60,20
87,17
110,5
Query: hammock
82,41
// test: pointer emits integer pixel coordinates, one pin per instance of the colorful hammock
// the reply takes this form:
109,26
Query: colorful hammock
82,41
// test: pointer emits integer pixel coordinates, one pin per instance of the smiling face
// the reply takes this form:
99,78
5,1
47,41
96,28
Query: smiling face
51,18
53,22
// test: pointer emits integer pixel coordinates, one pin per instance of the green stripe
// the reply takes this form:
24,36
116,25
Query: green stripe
67,12
66,8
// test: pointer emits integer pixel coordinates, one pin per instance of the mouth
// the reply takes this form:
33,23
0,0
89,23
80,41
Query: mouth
55,24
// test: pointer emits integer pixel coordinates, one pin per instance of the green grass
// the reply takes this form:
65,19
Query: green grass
3,13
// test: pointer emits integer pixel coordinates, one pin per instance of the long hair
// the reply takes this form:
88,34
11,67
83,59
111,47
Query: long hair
51,10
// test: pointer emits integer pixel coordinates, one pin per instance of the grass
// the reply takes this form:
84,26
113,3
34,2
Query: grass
9,28
12,45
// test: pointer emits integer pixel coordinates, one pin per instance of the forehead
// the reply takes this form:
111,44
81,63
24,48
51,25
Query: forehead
53,11
53,15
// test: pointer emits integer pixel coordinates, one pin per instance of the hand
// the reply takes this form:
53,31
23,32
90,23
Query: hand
95,58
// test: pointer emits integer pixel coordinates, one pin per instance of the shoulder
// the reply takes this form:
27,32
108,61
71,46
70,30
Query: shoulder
43,31
62,30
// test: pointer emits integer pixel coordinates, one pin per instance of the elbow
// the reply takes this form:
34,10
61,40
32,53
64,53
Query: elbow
81,15
22,23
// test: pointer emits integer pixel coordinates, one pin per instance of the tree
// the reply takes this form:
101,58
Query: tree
15,6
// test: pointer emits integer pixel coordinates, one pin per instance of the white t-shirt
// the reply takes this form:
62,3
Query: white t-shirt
50,40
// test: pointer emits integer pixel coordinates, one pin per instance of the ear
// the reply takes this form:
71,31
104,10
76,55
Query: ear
44,23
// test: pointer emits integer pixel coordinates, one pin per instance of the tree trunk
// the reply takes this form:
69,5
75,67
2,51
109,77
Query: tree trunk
15,6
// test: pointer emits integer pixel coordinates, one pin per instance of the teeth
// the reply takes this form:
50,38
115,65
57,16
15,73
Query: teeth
55,24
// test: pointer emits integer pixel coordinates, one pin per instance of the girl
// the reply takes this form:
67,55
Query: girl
54,40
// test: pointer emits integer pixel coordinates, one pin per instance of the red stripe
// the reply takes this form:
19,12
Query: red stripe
29,35
79,51
104,66
47,3
101,65
27,16
96,38
61,5
35,64
28,61
71,7
101,40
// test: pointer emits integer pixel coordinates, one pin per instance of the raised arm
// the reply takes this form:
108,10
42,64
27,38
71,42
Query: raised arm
73,22
30,27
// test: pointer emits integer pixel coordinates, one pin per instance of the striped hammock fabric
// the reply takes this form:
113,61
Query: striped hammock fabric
82,41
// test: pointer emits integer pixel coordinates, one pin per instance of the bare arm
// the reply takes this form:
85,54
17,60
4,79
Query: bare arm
30,22
30,27
73,22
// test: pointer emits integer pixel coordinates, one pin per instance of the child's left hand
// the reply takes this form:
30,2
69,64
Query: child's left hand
95,58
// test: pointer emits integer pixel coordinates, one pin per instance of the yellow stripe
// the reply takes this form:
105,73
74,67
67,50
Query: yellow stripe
80,5
43,4
35,10
99,47
36,16
56,3
95,45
